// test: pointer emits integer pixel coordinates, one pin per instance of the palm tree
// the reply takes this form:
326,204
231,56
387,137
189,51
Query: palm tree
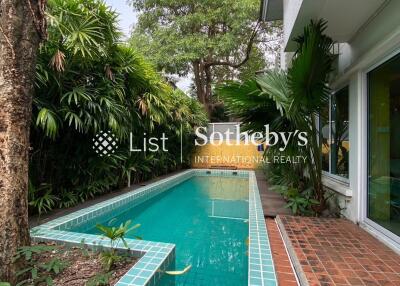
290,101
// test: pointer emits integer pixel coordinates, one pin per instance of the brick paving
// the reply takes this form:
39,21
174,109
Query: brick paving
337,252
283,268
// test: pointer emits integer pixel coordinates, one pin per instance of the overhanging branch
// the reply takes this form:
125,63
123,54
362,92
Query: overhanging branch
247,56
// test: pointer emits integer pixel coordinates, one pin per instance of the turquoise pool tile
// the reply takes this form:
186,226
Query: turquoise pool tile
268,282
134,271
146,273
268,275
127,279
139,280
255,267
255,281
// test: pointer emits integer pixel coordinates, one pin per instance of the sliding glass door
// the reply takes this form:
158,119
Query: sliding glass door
384,145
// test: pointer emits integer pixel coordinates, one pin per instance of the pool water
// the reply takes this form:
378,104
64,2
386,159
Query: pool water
206,218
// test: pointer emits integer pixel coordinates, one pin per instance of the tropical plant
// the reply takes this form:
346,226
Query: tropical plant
299,202
289,102
39,272
41,198
115,235
100,279
88,81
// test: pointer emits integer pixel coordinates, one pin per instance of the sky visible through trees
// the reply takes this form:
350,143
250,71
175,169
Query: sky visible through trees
128,18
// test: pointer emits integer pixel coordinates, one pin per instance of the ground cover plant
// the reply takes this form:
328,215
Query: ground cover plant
50,264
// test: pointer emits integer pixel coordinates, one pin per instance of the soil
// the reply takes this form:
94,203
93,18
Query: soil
83,264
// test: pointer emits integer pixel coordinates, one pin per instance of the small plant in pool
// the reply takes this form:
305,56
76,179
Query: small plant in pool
116,235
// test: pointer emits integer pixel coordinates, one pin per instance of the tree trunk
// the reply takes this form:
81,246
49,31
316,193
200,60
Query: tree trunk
202,80
22,27
208,90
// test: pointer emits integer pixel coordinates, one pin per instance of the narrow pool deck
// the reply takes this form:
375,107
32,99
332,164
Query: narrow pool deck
273,203
327,251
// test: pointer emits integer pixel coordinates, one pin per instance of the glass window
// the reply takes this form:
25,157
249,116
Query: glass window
340,133
334,134
384,145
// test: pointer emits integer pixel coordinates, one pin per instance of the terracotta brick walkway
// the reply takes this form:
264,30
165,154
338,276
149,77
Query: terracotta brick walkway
282,264
337,252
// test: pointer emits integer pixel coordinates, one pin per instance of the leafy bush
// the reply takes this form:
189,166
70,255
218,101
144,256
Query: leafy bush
300,203
101,279
88,81
289,101
35,272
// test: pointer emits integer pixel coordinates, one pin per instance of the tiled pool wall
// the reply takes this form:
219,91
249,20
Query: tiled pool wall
156,257
261,265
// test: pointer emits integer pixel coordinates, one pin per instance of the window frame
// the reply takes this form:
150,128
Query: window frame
328,174
388,236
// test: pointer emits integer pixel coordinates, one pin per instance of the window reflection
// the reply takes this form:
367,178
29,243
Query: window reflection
384,145
334,134
340,133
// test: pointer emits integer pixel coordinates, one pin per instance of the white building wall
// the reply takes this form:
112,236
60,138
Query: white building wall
291,9
377,41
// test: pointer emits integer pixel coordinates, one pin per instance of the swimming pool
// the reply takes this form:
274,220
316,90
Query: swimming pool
202,218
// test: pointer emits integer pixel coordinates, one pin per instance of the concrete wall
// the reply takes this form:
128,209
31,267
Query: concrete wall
233,154
291,9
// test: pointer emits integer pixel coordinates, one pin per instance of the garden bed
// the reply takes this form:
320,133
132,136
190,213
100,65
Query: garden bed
78,266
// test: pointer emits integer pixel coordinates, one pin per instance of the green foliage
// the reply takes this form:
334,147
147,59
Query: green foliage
41,198
35,272
173,36
101,279
289,102
211,40
27,252
88,81
109,259
300,205
299,202
115,235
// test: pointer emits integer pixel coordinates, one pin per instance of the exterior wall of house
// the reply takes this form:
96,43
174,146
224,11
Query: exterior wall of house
375,42
291,9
